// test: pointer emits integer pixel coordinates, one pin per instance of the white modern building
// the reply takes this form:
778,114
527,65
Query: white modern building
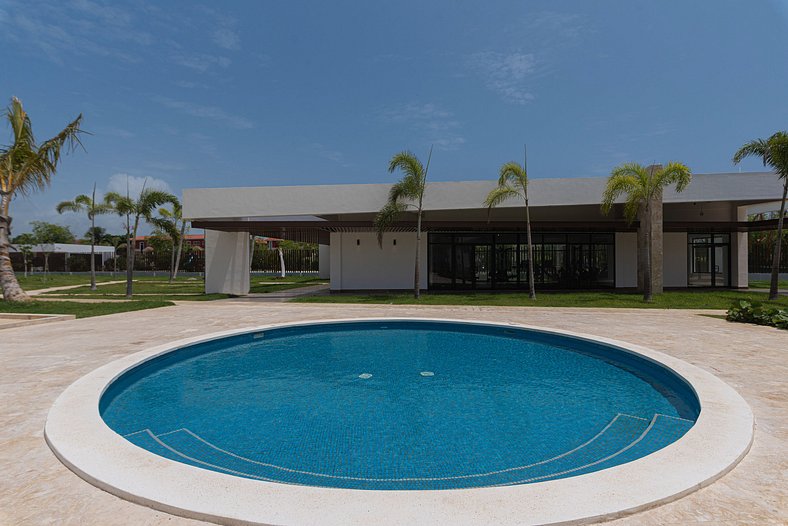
700,236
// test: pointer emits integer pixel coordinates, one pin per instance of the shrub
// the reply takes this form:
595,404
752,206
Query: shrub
747,312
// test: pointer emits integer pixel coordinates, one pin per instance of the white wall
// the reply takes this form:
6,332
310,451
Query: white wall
674,259
626,259
358,263
324,261
740,264
226,262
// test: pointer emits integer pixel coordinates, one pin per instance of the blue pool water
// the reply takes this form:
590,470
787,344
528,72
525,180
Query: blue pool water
400,405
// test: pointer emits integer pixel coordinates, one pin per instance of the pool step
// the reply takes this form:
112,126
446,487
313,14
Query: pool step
624,438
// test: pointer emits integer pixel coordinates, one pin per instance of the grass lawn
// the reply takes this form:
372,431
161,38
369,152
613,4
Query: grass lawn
765,283
153,289
81,310
41,281
263,284
700,299
183,289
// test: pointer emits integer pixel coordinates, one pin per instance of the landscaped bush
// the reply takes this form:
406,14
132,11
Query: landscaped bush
747,312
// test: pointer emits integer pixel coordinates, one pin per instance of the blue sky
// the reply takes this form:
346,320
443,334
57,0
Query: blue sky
277,93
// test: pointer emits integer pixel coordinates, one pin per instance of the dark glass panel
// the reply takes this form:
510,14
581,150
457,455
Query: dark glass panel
440,265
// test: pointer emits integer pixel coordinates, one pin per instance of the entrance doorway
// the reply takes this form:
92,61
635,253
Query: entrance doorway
709,260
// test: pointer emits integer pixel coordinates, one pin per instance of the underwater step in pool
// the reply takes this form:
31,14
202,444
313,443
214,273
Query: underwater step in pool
401,405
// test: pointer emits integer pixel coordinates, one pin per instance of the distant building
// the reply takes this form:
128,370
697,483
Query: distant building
193,240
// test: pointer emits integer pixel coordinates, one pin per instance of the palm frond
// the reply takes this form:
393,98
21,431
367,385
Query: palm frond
625,180
69,206
674,173
386,217
500,194
512,174
756,148
408,163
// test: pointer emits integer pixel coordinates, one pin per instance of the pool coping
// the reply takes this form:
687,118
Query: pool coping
81,440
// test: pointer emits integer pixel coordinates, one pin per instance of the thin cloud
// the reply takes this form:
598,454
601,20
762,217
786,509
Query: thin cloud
506,74
433,123
201,62
226,38
205,112
118,183
57,30
330,154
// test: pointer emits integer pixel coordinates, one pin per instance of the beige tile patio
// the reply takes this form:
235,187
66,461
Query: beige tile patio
37,363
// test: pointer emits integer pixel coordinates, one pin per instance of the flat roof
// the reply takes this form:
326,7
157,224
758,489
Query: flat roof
246,203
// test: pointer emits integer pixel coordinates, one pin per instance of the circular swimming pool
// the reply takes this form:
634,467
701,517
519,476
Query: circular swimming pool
400,405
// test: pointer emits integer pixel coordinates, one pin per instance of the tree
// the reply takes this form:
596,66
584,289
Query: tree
774,153
46,235
641,186
408,192
171,222
513,183
25,167
99,234
143,208
87,204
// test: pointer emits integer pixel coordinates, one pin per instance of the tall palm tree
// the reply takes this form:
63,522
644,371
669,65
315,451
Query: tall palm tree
141,209
513,183
640,186
171,222
87,204
25,167
408,192
774,153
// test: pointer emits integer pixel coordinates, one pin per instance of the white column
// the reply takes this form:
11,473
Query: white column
227,262
739,254
626,259
324,261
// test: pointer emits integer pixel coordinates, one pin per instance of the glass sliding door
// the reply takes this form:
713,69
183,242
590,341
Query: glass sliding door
709,260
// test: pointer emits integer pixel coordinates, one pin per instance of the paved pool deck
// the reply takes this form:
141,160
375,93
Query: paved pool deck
37,363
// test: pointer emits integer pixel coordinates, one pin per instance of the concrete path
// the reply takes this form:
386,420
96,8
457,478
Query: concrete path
38,363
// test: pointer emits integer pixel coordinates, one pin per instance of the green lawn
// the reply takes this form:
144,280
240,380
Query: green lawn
81,310
183,289
263,284
765,283
41,281
145,288
700,299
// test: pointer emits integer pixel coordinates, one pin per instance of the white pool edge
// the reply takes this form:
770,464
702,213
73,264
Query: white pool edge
79,437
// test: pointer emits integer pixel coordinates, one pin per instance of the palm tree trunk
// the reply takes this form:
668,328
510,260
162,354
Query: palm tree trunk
417,270
93,251
172,261
774,290
130,250
180,250
531,284
8,283
647,294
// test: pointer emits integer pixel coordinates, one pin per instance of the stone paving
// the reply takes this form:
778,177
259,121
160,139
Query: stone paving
38,363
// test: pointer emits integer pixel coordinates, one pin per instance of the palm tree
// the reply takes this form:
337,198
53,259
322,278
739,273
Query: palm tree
171,222
142,209
642,185
25,167
83,203
410,188
774,153
513,183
